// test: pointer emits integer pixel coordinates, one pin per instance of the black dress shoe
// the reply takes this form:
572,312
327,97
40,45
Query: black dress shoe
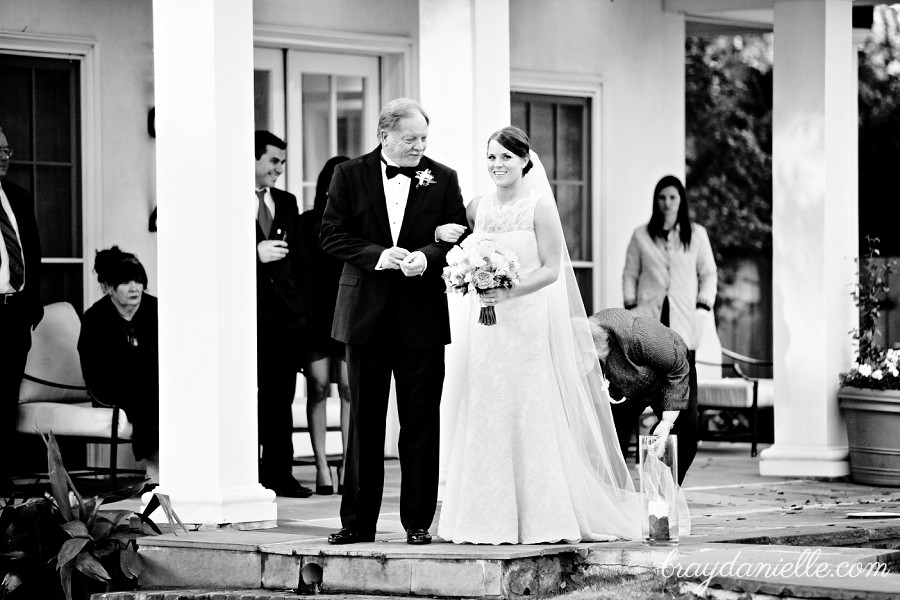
288,488
348,535
417,536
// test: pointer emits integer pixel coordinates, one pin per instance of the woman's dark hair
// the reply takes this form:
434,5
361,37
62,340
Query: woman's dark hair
324,181
657,219
114,267
516,141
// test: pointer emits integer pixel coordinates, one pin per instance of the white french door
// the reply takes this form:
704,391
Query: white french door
324,104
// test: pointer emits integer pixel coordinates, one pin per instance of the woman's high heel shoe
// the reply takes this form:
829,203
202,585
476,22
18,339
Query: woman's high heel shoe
325,490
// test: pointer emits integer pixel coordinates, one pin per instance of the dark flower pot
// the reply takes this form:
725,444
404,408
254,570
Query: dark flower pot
873,423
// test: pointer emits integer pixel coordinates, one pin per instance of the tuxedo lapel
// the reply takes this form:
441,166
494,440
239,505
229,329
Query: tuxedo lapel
418,195
375,188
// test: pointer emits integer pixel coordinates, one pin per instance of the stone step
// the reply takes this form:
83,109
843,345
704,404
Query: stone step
273,561
206,594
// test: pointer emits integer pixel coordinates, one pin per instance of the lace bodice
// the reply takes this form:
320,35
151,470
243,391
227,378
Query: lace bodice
493,217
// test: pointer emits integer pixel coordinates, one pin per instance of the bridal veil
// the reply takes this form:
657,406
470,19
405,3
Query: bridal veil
585,399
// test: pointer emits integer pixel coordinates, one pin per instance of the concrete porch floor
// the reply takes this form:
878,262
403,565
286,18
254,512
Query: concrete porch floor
738,516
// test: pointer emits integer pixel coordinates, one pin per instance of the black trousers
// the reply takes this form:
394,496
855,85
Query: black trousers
687,425
16,341
419,377
279,351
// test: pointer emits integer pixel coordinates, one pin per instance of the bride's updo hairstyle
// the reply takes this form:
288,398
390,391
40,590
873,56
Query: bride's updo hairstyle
516,141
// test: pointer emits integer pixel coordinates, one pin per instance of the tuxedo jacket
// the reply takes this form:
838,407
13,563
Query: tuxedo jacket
23,209
356,230
282,286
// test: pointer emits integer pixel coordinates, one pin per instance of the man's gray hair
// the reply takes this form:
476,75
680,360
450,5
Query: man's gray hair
397,109
601,338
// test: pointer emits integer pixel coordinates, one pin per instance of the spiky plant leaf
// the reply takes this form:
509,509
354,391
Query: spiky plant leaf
90,566
131,563
76,529
70,550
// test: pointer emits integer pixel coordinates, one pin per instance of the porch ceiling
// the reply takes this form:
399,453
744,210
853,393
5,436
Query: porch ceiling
718,17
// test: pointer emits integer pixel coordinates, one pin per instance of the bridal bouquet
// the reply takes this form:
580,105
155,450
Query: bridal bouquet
480,264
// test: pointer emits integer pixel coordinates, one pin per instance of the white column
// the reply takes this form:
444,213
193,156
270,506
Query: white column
203,60
464,79
814,233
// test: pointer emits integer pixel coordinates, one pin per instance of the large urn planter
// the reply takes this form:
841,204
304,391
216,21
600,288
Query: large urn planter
873,432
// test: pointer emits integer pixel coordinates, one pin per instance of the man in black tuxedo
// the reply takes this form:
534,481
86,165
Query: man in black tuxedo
383,209
20,302
283,306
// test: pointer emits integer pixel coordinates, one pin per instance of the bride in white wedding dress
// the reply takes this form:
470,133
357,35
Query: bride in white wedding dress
535,456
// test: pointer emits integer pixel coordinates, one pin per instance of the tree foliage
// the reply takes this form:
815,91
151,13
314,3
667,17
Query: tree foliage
729,140
879,131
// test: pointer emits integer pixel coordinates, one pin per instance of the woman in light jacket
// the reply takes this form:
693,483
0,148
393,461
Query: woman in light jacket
670,275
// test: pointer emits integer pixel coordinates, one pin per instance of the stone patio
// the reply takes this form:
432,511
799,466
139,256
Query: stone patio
739,517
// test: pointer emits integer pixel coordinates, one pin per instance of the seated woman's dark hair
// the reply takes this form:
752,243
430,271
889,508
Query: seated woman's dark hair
516,141
114,267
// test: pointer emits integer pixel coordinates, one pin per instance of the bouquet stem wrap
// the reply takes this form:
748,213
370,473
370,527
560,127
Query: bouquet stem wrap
487,316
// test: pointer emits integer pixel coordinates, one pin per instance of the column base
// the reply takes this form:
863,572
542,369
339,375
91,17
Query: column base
250,507
827,462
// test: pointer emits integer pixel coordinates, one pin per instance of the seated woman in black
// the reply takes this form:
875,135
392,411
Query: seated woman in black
118,348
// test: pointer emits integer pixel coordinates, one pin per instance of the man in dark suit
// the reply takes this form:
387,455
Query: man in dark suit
391,313
647,363
282,304
20,302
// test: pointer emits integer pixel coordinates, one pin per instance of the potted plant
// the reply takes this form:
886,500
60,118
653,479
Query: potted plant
869,395
92,550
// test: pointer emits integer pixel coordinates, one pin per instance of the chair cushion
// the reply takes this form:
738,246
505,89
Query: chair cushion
80,419
54,357
734,392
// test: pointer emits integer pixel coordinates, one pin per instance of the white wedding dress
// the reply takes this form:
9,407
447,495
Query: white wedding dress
527,464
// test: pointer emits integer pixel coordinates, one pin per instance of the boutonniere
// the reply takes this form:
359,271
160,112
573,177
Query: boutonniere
425,178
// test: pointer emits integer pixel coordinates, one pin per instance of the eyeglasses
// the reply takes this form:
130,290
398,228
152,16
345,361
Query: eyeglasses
6,152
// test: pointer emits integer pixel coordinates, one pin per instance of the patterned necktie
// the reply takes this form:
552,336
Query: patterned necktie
16,266
263,215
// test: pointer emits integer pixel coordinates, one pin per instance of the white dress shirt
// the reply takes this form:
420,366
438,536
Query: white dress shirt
396,193
5,288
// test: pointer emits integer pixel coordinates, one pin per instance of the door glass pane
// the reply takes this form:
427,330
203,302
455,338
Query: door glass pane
519,115
62,283
316,131
53,139
569,135
584,276
58,220
350,98
15,100
576,227
540,132
261,117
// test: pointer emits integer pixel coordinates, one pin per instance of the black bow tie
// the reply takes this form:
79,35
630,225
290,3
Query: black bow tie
391,171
